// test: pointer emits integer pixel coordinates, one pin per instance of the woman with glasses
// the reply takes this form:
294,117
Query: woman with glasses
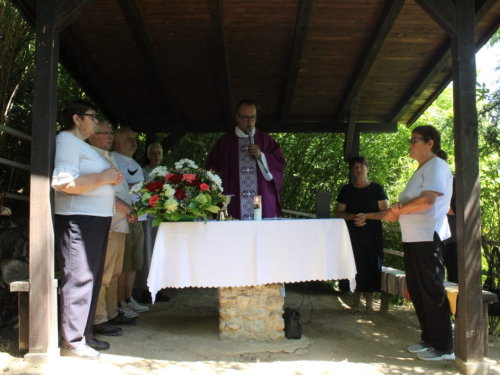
84,197
421,211
362,204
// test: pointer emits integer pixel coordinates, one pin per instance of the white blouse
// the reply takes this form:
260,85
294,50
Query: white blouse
75,158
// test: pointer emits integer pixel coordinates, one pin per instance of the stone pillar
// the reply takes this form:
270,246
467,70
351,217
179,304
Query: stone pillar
251,313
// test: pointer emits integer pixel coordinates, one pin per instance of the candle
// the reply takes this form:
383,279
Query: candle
257,207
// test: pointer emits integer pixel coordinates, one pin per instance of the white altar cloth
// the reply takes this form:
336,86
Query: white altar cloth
245,253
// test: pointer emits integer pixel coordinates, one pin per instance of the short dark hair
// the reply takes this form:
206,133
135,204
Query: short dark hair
75,107
442,155
429,133
357,159
245,102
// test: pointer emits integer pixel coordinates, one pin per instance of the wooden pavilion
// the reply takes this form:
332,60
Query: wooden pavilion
180,66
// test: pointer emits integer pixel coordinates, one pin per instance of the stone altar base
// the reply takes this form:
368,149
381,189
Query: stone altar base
251,313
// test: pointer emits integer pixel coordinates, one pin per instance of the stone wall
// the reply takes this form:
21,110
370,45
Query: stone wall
251,313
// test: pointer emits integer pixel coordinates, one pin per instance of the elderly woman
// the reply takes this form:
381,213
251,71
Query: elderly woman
362,204
84,196
421,211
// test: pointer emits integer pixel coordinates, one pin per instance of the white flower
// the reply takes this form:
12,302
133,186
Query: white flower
169,190
180,164
215,179
135,189
160,171
171,205
215,187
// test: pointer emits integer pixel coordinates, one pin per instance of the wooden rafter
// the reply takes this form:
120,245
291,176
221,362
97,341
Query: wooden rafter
439,61
217,19
349,135
386,20
442,12
69,10
140,35
301,26
280,127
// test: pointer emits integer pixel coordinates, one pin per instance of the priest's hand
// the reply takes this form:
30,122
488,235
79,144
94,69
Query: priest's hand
254,151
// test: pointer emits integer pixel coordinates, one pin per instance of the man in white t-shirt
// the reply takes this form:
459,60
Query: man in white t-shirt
125,146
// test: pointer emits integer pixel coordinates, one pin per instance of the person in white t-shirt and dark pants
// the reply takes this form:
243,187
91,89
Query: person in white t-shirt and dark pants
421,211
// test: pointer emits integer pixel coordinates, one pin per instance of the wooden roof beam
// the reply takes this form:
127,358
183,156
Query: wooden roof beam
69,10
438,62
138,30
384,25
442,12
218,26
304,12
289,127
349,136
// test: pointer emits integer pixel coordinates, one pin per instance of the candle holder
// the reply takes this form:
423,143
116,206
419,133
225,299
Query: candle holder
257,207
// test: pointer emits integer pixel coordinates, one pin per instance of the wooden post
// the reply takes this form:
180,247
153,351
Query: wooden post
43,334
469,348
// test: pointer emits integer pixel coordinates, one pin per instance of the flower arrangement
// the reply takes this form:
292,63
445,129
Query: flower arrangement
182,192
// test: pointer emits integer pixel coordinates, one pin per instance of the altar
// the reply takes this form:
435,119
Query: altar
250,255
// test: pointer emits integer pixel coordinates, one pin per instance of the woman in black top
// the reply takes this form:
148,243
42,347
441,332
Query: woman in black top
362,204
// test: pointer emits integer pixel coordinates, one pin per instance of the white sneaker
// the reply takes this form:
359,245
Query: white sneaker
127,313
83,351
135,306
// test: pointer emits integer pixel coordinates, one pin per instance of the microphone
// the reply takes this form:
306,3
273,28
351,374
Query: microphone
250,137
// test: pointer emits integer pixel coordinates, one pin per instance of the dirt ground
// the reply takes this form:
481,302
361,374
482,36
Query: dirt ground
181,337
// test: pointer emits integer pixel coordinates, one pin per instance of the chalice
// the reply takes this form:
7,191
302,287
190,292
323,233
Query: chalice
223,215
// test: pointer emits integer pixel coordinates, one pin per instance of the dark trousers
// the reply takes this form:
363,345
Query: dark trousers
81,243
450,258
424,278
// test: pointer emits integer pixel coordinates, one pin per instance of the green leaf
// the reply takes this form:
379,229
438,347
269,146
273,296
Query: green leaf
157,220
176,215
213,209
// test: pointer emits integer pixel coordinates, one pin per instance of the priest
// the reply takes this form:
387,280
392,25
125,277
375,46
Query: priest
250,163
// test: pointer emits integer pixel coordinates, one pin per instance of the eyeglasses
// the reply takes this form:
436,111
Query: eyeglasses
107,134
415,140
246,118
92,115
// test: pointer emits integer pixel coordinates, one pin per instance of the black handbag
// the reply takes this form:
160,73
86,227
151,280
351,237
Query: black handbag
489,283
293,324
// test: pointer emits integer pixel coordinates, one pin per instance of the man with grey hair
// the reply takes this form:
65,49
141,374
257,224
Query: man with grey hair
107,314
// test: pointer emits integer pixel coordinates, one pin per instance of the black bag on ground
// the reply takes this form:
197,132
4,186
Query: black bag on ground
293,325
489,283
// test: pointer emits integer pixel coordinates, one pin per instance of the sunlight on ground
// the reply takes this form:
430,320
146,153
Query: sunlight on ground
114,365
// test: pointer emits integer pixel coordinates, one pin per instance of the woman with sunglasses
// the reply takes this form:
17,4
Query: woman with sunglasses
84,197
421,211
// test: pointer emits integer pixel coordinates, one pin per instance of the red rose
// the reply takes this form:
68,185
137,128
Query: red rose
204,187
153,200
154,186
174,179
180,194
